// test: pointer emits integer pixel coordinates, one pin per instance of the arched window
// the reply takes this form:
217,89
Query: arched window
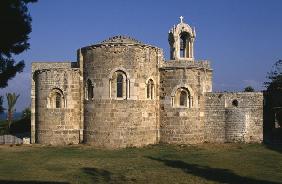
182,46
58,100
90,89
182,98
150,89
119,85
55,99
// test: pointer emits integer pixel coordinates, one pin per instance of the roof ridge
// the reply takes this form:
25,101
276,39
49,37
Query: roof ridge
121,39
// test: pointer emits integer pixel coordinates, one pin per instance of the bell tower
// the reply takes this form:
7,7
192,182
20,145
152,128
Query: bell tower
181,40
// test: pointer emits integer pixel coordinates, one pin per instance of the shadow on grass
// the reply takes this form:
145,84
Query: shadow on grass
273,140
30,182
274,147
103,176
212,174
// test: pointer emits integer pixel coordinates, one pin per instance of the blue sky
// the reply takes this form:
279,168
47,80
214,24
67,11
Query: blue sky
241,38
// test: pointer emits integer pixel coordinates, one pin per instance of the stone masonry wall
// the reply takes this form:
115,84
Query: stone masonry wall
234,117
139,62
35,67
57,125
182,125
119,124
132,120
214,117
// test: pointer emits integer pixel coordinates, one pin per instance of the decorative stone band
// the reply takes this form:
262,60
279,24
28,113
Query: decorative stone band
185,64
104,45
39,71
66,131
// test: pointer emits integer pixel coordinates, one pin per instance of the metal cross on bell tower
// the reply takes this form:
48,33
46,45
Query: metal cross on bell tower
181,19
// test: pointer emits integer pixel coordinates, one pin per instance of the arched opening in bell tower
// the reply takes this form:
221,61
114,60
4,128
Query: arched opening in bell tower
185,45
181,40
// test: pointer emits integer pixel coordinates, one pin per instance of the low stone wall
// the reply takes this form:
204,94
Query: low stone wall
214,117
13,139
181,126
234,117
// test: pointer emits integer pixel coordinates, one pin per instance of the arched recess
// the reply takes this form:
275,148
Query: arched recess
185,45
150,89
182,96
89,90
56,99
119,69
119,85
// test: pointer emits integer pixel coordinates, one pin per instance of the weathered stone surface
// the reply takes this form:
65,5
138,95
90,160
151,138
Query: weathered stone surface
57,125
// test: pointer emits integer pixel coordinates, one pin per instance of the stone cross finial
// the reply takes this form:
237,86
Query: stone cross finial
181,19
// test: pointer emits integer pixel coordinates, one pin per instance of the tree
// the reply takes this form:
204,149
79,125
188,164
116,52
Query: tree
1,104
249,89
15,24
11,99
274,89
26,113
275,77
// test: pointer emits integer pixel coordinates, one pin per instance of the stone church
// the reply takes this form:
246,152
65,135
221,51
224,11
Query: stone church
123,93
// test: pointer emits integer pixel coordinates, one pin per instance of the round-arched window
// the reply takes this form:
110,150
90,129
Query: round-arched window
55,99
183,98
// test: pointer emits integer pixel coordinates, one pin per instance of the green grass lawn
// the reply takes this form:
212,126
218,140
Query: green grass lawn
206,163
